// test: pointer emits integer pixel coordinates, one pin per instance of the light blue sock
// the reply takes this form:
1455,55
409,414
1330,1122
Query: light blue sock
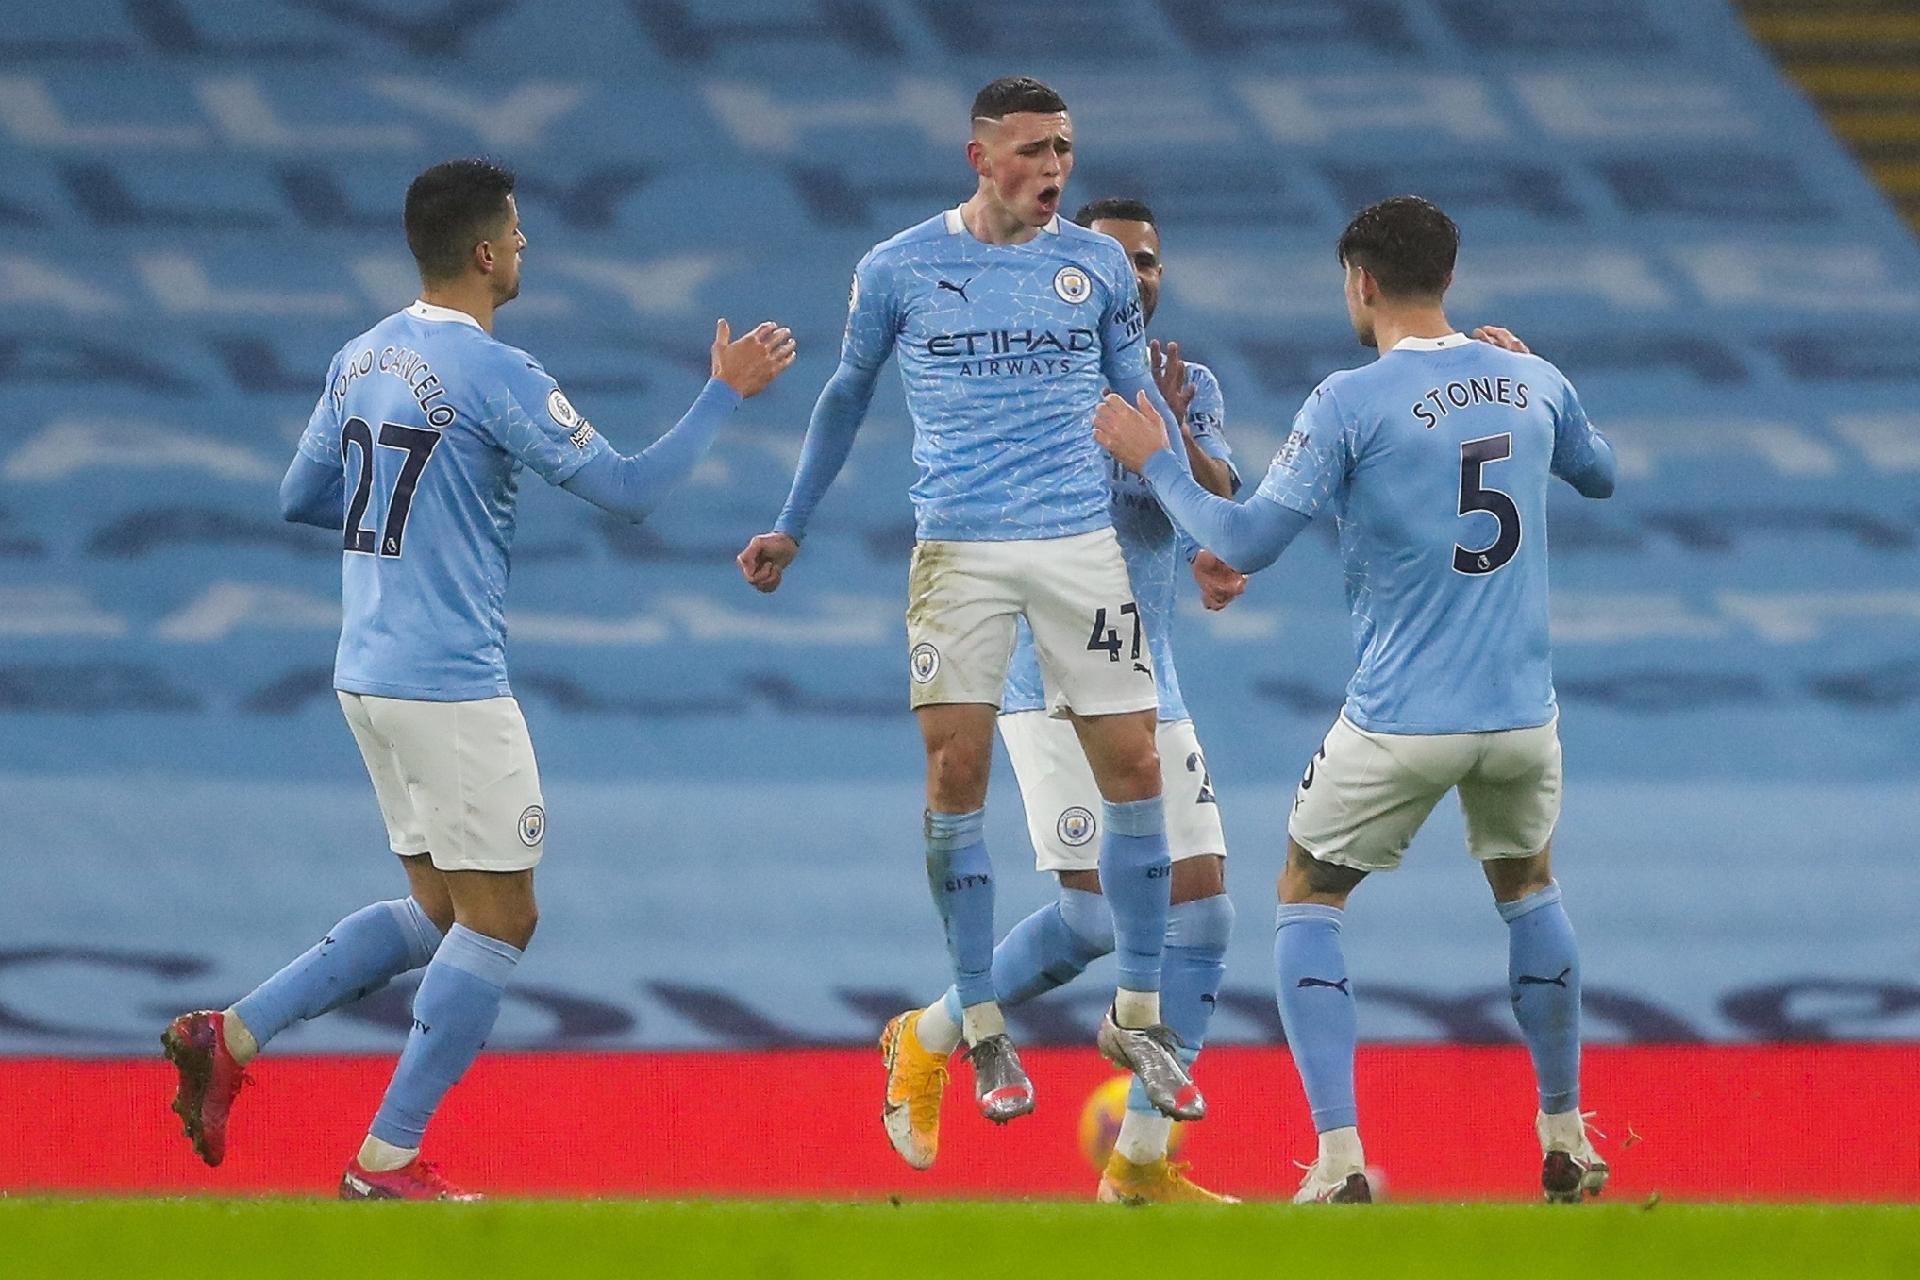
453,1013
961,877
1196,961
1048,949
1543,980
1316,1008
1137,877
358,956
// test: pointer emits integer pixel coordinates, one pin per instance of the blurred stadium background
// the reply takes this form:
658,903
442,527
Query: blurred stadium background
201,203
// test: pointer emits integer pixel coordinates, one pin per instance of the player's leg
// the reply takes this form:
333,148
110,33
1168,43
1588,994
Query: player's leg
1316,1008
1136,876
1199,926
1361,800
1055,944
1097,665
959,742
963,598
472,766
1042,951
357,956
1512,803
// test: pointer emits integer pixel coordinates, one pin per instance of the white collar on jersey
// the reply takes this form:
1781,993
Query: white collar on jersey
957,226
1432,344
428,311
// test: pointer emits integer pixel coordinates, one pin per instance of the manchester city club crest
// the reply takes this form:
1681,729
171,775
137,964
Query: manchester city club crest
533,825
1072,285
1075,827
925,662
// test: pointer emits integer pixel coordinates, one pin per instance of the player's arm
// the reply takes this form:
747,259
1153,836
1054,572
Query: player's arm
1205,429
1124,355
1581,455
313,493
1186,395
632,486
872,322
314,489
1311,466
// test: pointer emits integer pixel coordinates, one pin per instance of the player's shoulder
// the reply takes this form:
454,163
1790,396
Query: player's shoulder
903,244
509,357
371,337
1345,385
1080,241
1538,366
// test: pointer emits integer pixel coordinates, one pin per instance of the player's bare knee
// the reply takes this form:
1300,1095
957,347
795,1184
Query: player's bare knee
1308,879
1127,770
957,774
1083,881
513,924
1136,780
440,912
1514,878
427,887
1203,876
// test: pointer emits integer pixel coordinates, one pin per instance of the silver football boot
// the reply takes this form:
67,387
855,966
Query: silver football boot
1000,1083
1152,1054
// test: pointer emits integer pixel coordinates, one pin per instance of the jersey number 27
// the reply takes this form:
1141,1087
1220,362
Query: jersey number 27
418,444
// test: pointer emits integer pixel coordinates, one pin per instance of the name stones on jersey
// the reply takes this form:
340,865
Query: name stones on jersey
1072,284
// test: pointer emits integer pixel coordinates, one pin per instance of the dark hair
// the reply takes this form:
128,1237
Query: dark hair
1009,94
1119,208
450,208
1405,243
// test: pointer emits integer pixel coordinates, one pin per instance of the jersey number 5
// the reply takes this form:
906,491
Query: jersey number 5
418,444
1474,496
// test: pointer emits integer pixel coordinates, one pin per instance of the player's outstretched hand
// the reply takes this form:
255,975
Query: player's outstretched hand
1170,375
750,364
1132,433
765,560
1505,339
1220,583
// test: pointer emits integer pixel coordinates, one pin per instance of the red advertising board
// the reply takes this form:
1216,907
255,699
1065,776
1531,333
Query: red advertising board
1735,1122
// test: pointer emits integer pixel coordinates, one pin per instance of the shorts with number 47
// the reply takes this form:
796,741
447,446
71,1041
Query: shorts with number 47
963,598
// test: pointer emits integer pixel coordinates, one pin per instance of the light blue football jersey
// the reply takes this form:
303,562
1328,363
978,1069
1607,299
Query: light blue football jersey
1435,461
431,420
1003,351
1154,563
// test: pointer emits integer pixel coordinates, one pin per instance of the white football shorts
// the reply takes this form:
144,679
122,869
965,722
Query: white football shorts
1063,804
963,598
1365,794
456,780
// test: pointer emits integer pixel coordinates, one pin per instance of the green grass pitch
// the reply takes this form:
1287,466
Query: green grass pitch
259,1239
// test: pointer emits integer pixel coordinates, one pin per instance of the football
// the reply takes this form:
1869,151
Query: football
1100,1121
